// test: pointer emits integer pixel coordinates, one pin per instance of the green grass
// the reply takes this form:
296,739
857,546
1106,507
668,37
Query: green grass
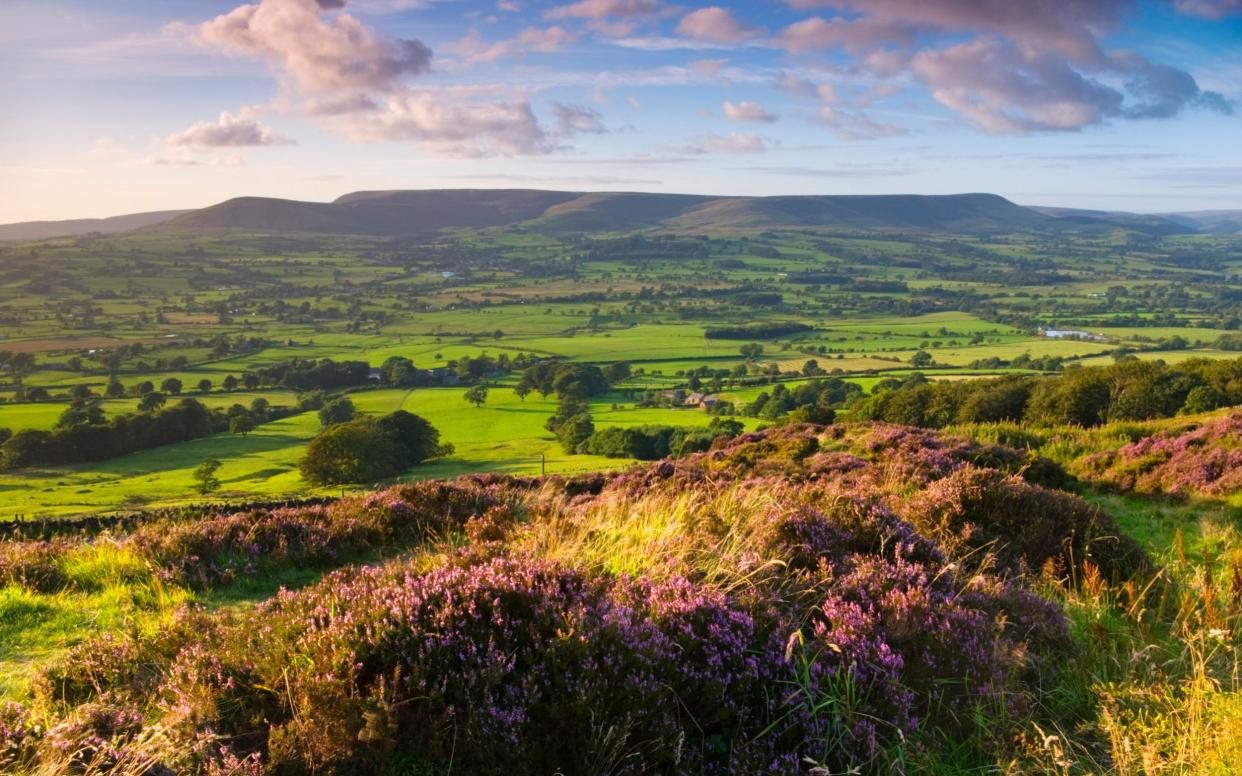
505,435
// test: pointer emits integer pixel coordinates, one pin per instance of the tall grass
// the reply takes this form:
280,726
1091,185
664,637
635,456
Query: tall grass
1156,685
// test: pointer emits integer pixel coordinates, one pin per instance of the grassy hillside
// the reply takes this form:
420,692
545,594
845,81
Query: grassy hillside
855,598
411,212
42,230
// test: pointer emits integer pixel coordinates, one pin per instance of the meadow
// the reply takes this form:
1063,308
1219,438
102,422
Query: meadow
156,305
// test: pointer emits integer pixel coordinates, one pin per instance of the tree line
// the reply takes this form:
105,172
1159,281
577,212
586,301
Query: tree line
1082,396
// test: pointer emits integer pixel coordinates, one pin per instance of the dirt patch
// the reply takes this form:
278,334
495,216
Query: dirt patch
72,343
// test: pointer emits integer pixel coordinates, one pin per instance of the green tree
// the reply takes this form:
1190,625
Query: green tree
339,410
260,409
150,402
574,431
82,413
204,385
522,390
477,395
367,450
751,351
205,476
172,386
921,359
241,424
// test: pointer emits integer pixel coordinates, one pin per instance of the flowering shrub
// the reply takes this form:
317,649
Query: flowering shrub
1202,461
820,595
981,513
34,564
19,735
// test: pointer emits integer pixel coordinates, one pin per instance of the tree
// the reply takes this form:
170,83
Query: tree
205,476
250,380
82,412
339,410
22,364
367,449
152,401
522,390
751,351
115,389
204,385
477,395
171,386
230,383
260,408
574,431
399,371
416,439
241,424
921,359
617,371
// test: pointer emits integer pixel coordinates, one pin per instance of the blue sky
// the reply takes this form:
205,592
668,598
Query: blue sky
123,106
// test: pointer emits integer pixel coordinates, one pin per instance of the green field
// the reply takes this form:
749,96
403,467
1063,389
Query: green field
157,305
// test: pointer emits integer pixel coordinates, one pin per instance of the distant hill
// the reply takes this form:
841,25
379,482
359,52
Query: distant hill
947,213
1210,221
383,213
408,212
1091,220
43,230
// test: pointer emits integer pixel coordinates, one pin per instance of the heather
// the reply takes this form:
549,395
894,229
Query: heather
807,599
1199,459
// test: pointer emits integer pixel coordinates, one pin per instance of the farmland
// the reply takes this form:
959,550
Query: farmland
193,306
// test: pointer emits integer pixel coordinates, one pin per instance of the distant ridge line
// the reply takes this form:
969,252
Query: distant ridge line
402,212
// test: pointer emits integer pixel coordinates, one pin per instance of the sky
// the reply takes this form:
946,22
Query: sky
135,105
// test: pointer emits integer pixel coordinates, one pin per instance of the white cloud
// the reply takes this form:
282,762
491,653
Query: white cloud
341,73
715,24
748,112
228,131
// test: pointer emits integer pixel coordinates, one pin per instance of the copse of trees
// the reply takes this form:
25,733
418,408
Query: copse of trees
1081,396
83,433
653,442
756,331
565,379
93,441
366,449
303,374
811,402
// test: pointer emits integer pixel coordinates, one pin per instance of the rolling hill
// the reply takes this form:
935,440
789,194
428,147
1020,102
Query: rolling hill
1210,221
409,212
402,212
43,230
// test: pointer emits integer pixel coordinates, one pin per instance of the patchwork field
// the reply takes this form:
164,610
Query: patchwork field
106,319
